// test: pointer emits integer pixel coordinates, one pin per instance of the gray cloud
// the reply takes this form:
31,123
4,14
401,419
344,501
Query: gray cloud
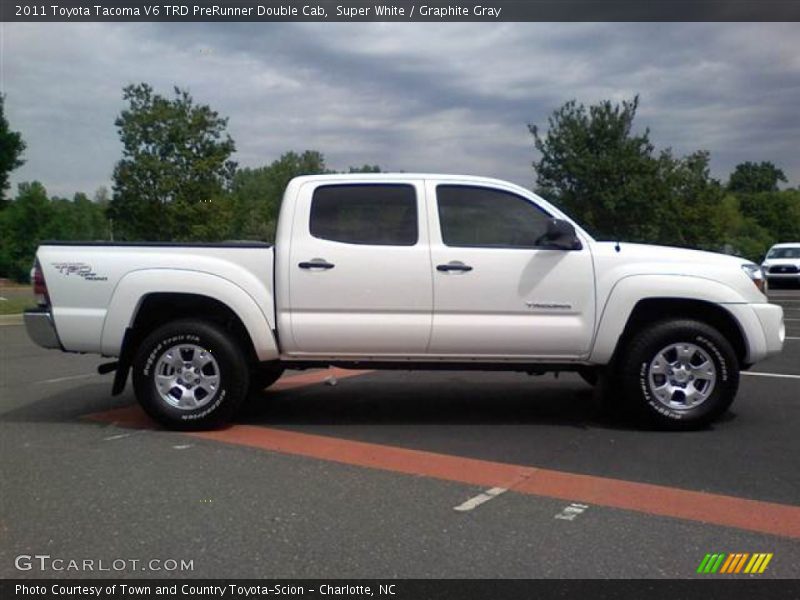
433,97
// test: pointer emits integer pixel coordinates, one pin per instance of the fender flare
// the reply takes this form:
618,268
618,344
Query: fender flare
135,286
631,290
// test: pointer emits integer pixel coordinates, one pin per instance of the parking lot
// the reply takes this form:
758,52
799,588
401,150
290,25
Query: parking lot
395,474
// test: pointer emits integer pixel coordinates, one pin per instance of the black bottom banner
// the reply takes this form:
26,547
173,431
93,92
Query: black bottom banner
399,589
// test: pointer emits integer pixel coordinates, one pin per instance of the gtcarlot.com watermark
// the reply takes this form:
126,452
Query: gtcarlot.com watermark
46,562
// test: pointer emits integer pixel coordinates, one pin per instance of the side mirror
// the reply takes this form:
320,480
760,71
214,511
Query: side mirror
560,235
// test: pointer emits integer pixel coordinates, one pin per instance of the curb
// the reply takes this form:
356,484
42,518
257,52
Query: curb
11,319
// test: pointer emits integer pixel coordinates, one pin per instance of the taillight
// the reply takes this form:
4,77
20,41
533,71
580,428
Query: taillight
40,286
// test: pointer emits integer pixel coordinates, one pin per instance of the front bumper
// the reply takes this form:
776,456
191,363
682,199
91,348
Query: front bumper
40,327
770,316
782,276
763,329
784,272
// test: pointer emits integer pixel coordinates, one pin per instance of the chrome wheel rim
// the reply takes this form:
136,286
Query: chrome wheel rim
682,376
187,376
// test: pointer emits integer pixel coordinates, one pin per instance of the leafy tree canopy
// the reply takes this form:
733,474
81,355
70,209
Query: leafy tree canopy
11,149
777,212
751,178
176,156
608,177
33,217
257,193
686,201
365,169
594,166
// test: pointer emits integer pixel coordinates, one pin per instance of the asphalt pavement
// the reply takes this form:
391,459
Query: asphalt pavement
332,476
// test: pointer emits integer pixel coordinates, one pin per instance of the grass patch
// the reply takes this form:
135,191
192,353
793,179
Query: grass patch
13,306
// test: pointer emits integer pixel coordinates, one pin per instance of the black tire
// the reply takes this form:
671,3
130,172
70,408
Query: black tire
264,375
634,376
201,341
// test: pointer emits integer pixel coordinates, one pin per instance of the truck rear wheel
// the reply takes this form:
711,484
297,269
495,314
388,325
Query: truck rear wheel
679,374
190,374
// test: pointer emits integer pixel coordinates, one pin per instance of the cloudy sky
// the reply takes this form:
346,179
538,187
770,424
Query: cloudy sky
416,97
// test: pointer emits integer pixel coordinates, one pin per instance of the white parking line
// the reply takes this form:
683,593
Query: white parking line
69,378
111,438
480,499
570,512
780,375
121,436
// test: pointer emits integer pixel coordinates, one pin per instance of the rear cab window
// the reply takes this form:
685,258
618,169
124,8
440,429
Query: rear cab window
369,214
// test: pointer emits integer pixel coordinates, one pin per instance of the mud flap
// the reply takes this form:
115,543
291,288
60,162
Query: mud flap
124,363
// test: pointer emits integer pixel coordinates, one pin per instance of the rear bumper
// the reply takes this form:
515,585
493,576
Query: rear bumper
41,329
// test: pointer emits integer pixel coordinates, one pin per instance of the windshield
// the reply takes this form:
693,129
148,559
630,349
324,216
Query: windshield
793,252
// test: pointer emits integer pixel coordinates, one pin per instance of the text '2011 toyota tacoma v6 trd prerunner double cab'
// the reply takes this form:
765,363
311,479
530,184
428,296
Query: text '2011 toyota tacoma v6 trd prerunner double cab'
408,271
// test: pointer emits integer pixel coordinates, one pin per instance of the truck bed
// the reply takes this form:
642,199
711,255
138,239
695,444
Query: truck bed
91,283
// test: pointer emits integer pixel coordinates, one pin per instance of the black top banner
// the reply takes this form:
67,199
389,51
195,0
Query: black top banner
400,10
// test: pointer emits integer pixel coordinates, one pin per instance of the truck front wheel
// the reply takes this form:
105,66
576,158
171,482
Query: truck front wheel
679,374
190,374
264,375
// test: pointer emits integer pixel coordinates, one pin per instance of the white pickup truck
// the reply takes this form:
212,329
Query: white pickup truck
782,264
408,271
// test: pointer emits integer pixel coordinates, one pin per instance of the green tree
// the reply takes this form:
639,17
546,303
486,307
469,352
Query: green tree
102,200
740,234
176,157
79,219
611,179
596,168
778,212
751,178
11,149
687,201
365,169
33,217
23,225
257,192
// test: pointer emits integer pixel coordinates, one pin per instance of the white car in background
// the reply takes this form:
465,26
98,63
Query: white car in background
782,263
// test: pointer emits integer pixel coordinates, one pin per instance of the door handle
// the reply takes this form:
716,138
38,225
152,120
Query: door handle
316,263
454,266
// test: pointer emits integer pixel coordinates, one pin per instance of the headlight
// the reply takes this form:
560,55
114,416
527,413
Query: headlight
755,273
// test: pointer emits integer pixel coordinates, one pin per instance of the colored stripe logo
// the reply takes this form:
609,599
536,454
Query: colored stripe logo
737,562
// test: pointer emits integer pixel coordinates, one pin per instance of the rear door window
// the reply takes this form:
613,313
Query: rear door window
372,214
